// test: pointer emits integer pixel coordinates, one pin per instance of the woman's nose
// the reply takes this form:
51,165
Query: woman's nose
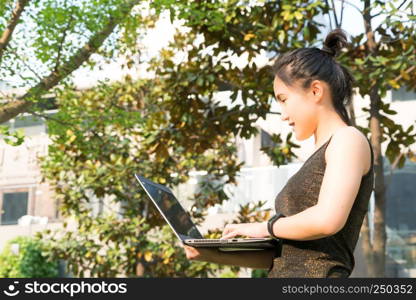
283,116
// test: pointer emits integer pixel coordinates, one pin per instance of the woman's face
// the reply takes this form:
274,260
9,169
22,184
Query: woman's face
298,108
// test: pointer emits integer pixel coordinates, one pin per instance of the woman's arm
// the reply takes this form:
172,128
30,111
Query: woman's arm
343,174
261,259
309,224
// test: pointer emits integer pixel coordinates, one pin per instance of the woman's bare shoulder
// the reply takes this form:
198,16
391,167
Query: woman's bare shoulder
350,132
355,141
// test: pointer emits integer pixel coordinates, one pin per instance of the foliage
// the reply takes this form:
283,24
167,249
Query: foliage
44,41
128,248
30,261
103,136
390,65
280,153
228,30
259,273
15,138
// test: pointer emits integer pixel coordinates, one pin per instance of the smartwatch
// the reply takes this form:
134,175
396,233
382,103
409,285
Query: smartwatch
270,223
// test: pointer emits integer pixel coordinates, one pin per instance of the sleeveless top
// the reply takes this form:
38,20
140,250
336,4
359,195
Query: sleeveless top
331,256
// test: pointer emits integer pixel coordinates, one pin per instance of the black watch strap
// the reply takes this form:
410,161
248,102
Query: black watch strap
270,223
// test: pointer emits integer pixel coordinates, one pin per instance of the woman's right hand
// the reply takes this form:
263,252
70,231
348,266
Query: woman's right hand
191,252
201,254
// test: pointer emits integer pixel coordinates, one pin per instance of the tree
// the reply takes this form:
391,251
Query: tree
37,43
27,260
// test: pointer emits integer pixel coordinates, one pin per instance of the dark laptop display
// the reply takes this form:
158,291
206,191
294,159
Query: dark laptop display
176,216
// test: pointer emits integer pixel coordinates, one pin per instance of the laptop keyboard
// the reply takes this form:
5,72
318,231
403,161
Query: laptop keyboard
209,241
222,240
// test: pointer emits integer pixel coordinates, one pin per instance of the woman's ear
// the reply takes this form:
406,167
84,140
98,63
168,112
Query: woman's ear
317,89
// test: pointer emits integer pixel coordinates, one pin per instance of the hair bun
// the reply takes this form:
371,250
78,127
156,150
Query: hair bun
334,42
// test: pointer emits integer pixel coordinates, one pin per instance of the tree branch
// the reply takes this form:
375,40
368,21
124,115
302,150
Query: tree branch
23,103
342,12
227,86
337,25
274,113
45,116
376,15
7,34
406,72
395,163
398,8
371,43
58,56
329,16
352,5
26,65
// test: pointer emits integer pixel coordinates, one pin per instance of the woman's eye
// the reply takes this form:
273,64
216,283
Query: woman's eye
281,98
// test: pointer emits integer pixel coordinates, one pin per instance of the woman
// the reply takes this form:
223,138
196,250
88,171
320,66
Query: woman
322,206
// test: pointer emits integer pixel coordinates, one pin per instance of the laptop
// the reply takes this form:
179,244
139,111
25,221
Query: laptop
181,223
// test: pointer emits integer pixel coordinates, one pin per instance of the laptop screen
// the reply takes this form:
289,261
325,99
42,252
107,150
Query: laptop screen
177,217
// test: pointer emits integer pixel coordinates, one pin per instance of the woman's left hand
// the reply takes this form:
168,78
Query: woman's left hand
253,230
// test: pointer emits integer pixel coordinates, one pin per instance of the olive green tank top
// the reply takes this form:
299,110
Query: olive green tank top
326,257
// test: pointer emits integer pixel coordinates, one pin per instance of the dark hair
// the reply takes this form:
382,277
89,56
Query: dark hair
310,64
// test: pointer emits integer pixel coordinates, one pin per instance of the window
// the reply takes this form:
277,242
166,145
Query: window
266,139
14,206
403,95
28,121
400,197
